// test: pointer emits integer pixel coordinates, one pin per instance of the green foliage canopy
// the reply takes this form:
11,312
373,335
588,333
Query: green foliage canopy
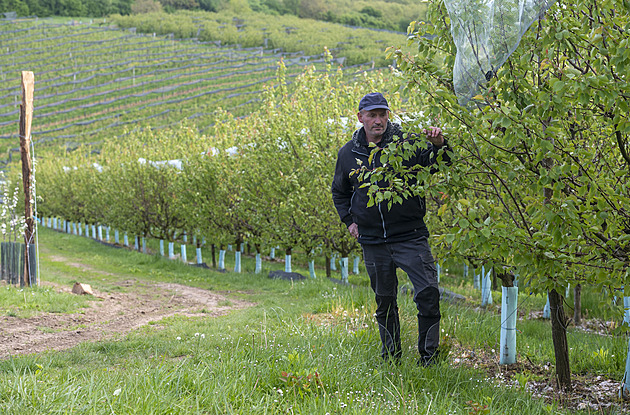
540,181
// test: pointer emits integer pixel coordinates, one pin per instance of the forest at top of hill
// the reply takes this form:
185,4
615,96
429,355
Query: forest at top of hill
388,14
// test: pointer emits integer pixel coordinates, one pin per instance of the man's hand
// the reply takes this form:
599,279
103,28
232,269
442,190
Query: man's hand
354,230
434,135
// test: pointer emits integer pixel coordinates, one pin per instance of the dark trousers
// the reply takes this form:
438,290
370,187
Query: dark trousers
414,257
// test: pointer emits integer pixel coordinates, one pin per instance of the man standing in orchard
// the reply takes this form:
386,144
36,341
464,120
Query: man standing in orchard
395,237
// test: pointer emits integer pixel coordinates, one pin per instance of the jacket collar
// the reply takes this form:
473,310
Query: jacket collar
360,142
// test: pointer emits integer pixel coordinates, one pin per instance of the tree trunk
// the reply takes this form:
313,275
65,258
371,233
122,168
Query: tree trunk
577,306
507,279
214,256
560,345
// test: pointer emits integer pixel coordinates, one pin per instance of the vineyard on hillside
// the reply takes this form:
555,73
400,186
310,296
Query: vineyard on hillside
291,34
94,82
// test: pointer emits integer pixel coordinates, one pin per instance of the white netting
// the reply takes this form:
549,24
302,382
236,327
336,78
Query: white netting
486,32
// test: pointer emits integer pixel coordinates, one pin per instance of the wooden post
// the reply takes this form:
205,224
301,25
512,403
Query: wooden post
26,118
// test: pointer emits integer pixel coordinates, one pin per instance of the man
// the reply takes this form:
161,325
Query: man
395,237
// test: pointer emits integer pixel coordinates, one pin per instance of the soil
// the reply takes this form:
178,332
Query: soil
591,393
111,315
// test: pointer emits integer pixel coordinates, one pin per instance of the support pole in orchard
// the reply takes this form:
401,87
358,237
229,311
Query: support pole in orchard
183,250
311,269
438,268
221,259
344,269
509,302
625,387
258,269
287,263
26,119
486,288
311,264
477,279
547,309
237,261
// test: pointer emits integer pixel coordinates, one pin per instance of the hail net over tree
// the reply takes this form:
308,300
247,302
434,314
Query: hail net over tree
486,32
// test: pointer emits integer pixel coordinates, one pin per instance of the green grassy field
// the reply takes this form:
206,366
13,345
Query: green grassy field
303,347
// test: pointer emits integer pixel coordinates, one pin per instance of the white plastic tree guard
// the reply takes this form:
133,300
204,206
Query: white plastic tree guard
237,261
509,301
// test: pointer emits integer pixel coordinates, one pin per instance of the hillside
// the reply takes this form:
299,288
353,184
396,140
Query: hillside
95,81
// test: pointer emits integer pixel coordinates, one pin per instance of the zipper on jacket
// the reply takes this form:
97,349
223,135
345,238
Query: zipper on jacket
382,221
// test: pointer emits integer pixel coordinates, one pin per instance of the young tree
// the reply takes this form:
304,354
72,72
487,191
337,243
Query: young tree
539,186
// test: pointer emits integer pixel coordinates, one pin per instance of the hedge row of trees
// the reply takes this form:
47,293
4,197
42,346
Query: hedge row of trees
263,179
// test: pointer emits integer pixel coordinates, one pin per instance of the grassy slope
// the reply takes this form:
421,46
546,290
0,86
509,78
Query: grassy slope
320,333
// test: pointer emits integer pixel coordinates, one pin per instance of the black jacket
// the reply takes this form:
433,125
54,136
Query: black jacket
377,223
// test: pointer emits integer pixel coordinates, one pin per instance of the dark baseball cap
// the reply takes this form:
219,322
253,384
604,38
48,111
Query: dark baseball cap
373,101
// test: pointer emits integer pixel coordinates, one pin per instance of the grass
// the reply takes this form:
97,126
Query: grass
305,347
18,302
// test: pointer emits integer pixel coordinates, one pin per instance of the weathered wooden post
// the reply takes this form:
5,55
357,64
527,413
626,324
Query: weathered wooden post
26,118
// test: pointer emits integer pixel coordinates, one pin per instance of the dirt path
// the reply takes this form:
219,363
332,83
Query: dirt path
114,314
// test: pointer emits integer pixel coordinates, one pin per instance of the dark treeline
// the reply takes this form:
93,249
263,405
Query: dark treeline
389,16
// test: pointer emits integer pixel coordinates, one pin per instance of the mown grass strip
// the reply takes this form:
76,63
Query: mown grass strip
304,347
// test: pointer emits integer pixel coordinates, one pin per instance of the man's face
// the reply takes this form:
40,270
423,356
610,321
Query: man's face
374,122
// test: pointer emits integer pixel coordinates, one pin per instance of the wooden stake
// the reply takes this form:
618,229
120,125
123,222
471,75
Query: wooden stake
26,118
